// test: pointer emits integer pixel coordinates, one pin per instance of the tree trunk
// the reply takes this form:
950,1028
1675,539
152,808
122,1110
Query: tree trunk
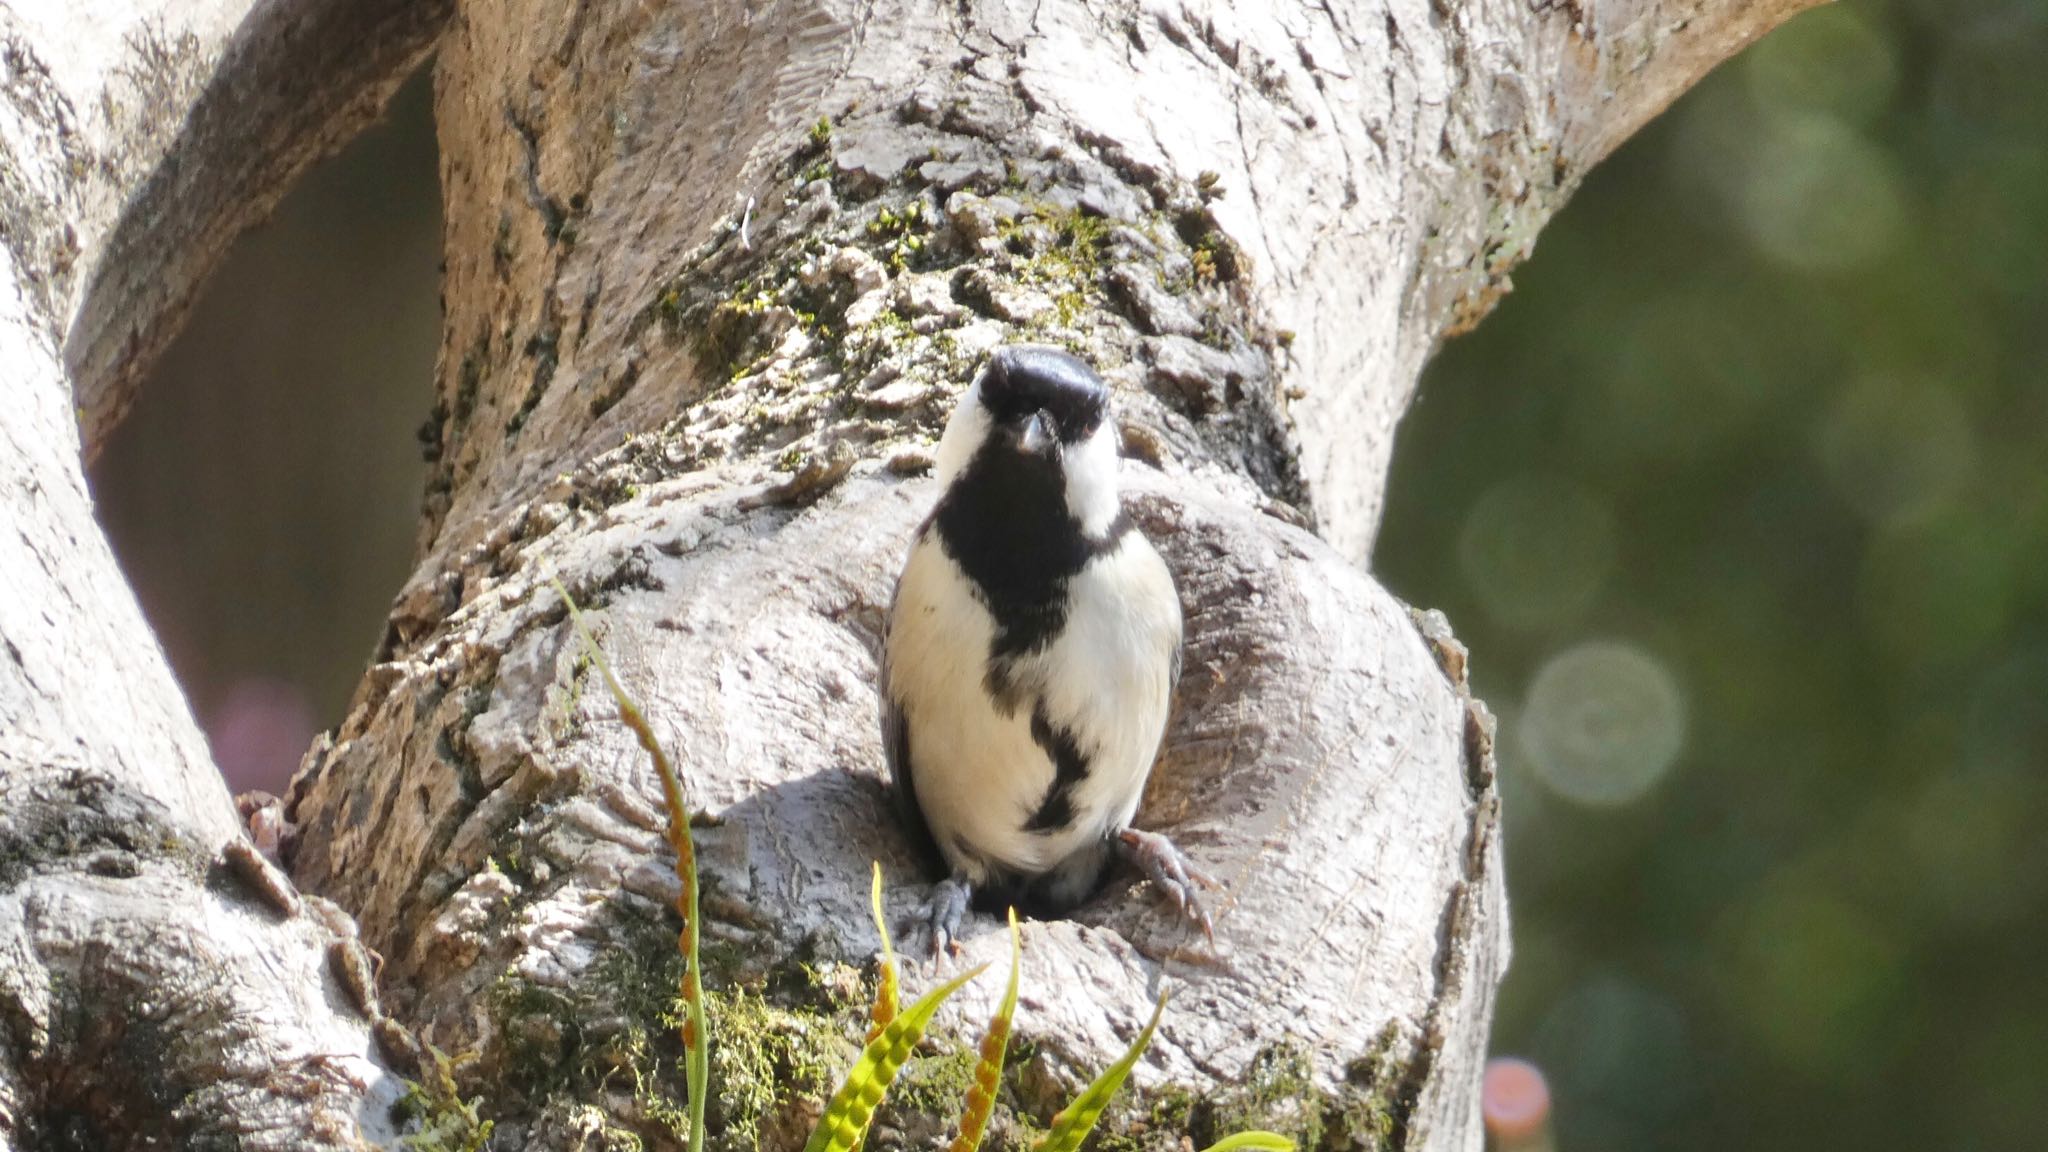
713,274
161,985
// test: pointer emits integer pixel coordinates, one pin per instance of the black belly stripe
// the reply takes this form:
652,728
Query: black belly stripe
1069,768
1004,521
1004,691
1030,612
1028,626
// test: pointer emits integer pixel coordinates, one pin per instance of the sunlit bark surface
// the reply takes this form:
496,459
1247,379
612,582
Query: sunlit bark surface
713,275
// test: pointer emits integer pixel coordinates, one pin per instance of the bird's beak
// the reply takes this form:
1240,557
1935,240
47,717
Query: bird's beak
1041,433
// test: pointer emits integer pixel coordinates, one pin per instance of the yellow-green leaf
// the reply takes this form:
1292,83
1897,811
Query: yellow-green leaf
886,989
1267,1140
1073,1124
988,1071
846,1118
696,1035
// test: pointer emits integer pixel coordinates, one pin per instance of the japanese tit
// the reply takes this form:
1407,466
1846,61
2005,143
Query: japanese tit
1031,654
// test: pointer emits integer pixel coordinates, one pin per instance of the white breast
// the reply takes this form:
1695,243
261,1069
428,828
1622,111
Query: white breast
979,774
1107,678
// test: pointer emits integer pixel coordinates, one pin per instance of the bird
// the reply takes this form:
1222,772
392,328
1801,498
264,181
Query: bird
1030,655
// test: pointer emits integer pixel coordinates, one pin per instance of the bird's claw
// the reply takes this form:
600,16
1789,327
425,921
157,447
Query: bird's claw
1171,872
940,920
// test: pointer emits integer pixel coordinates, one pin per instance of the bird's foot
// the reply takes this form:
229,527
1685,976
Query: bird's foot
940,920
1170,871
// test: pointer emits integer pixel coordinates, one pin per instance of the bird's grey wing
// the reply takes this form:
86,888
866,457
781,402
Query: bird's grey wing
896,749
895,735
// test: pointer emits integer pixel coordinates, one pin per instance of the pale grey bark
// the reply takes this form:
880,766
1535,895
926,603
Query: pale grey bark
694,356
692,349
150,995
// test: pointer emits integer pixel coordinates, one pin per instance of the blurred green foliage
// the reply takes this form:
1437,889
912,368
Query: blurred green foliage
1742,502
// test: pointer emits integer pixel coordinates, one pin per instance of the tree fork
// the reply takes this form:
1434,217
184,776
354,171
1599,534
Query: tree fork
759,311
713,275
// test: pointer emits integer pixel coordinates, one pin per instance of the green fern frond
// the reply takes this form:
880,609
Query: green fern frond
1271,1141
885,995
846,1118
988,1072
1076,1120
696,1038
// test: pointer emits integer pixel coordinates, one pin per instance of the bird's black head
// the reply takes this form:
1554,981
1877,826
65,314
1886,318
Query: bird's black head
1029,466
1027,381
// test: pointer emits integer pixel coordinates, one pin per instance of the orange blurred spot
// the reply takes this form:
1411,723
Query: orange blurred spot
1515,1100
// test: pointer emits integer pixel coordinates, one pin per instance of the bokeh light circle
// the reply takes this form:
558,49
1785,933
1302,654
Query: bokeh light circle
1815,977
1603,722
1819,197
1975,847
1515,1100
1537,550
1985,82
1619,1050
1988,216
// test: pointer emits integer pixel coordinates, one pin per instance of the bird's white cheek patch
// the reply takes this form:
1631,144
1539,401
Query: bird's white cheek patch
1091,481
965,431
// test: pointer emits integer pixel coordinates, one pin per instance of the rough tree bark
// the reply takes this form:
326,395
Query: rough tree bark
160,985
713,273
